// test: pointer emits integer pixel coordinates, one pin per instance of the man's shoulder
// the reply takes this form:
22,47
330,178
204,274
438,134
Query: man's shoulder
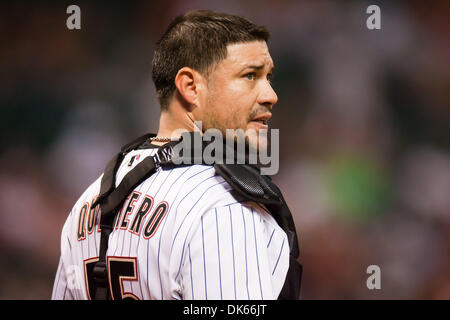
192,187
196,180
90,192
84,202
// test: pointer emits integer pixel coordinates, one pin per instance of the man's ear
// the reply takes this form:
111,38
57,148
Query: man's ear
189,84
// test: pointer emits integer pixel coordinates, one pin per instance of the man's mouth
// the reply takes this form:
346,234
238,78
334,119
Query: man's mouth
263,118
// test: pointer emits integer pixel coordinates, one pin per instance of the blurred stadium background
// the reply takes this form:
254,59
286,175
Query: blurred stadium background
364,119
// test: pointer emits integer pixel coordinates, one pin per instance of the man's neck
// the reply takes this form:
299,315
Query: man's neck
172,121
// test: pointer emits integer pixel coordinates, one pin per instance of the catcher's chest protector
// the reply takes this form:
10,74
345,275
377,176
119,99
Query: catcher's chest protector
244,179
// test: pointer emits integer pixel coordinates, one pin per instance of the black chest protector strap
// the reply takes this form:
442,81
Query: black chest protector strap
110,200
245,179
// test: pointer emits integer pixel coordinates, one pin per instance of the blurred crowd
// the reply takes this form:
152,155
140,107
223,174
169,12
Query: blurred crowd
364,119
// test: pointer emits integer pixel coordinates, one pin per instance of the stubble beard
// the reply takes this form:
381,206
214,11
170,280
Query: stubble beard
256,143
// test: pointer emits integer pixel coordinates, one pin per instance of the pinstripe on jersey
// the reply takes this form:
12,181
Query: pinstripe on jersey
203,240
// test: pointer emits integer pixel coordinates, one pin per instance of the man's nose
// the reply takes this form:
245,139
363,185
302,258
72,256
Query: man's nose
267,96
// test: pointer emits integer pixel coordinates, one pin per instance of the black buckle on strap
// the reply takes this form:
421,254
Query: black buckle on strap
99,273
164,156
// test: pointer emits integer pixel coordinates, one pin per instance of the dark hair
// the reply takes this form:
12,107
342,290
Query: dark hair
197,40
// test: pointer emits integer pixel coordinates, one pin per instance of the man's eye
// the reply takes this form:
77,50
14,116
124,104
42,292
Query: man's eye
251,76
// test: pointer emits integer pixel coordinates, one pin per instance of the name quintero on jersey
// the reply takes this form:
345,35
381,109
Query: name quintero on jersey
87,220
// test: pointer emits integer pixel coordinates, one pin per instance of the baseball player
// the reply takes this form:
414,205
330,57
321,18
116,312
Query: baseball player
182,232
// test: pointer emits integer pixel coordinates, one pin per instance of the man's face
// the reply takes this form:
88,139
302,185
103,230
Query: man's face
239,94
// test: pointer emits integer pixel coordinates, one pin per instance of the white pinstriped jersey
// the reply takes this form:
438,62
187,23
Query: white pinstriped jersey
182,234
